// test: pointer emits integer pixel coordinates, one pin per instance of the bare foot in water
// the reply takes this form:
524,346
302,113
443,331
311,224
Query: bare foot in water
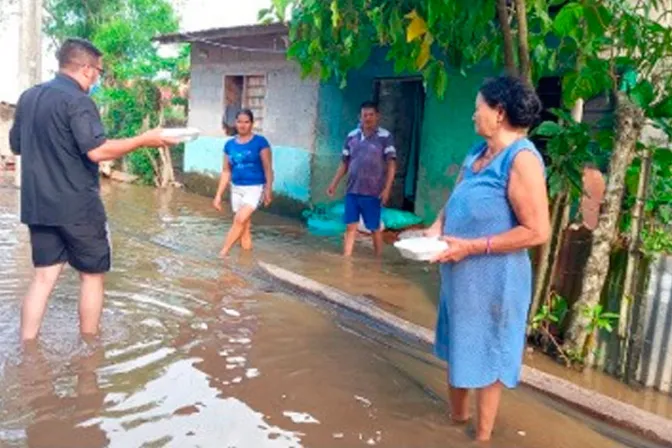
480,437
459,420
246,243
223,253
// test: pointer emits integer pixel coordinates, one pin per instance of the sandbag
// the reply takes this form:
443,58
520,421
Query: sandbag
325,226
398,219
391,218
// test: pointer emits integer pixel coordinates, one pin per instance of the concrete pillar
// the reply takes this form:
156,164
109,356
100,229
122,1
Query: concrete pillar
30,54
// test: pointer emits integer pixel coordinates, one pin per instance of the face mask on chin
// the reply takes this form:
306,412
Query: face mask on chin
95,87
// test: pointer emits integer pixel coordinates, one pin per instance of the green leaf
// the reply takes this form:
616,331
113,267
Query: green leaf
643,94
663,109
575,178
632,180
548,129
555,184
441,81
263,13
335,14
567,20
598,17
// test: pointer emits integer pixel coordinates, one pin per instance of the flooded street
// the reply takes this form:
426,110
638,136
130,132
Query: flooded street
199,352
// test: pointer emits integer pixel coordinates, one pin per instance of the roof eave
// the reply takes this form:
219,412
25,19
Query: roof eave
223,33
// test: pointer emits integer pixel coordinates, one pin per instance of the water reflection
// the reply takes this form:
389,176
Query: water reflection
58,409
199,353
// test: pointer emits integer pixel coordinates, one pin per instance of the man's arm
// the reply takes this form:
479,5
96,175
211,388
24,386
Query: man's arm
389,180
390,154
115,149
15,132
89,134
340,173
342,169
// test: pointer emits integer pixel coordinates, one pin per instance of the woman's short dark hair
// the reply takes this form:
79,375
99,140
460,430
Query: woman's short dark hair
517,98
247,112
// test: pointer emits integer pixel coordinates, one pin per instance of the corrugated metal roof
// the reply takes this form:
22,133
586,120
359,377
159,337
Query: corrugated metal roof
223,33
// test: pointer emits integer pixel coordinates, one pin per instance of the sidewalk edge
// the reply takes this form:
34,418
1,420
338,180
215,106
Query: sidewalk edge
646,424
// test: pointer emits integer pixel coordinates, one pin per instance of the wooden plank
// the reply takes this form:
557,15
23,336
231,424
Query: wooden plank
256,80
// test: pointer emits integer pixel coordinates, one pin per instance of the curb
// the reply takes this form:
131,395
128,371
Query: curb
643,423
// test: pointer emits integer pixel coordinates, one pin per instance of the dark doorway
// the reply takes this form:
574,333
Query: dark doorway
550,94
402,102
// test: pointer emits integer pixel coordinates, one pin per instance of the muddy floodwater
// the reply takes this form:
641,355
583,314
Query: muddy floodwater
197,352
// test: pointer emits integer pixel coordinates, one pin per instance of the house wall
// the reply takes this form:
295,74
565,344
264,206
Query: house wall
290,109
306,121
447,131
448,134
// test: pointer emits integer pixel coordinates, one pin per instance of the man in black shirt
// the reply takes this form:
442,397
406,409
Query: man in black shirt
58,133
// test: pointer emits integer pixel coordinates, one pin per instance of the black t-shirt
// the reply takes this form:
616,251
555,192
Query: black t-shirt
56,124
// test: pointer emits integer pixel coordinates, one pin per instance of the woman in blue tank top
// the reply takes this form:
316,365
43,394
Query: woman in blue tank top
247,166
498,209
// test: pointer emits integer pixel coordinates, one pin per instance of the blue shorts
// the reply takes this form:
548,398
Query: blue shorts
367,207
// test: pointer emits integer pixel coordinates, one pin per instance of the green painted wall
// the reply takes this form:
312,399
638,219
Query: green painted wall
447,135
337,115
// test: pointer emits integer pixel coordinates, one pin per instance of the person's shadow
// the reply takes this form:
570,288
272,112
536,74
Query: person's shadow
59,417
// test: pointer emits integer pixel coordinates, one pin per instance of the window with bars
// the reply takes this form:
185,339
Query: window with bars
244,92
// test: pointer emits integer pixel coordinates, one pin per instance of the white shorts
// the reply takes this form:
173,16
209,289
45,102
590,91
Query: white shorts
242,195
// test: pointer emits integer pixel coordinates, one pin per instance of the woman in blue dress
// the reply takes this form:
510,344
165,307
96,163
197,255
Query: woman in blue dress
498,210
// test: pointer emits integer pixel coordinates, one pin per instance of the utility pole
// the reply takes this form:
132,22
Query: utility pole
30,54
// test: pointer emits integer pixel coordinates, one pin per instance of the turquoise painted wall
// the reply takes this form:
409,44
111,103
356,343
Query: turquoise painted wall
447,132
291,166
337,115
292,172
447,135
204,155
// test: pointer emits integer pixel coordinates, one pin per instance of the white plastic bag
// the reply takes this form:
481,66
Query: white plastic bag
362,226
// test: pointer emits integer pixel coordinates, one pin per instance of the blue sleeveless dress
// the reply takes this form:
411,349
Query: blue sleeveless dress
484,298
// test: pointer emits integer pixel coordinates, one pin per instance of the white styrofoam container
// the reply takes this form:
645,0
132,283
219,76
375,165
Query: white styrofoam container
421,248
181,134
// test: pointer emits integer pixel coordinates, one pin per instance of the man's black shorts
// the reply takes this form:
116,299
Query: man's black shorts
86,247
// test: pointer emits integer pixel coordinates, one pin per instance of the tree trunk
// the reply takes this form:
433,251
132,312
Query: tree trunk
547,262
633,319
555,256
630,120
629,284
635,343
170,169
504,23
559,221
523,47
165,173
